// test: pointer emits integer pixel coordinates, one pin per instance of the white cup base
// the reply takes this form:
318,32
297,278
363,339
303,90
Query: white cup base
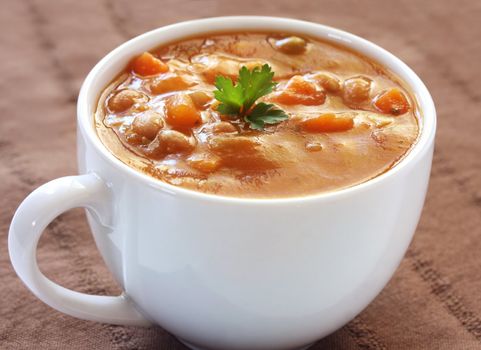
193,347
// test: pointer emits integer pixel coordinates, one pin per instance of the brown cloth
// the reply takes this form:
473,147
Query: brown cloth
48,47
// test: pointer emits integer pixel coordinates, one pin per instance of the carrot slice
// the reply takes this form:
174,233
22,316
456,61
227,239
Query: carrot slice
291,98
299,91
146,64
328,122
181,112
299,85
206,163
392,101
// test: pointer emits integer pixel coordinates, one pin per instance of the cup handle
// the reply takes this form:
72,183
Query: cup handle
31,218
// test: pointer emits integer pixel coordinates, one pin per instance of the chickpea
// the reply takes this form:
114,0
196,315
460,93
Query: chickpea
291,45
356,90
227,145
148,124
241,152
210,66
168,82
168,142
243,48
223,127
125,99
329,82
134,139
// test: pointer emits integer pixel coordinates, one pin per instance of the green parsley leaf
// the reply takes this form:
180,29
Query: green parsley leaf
265,113
256,83
237,100
232,97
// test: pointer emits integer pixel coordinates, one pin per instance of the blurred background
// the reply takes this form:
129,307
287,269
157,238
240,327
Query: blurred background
48,47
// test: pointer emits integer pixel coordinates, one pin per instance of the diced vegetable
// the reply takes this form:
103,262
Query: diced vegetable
291,98
213,65
125,99
299,85
146,64
201,98
313,146
392,101
134,139
299,91
181,112
328,122
148,124
291,45
168,142
206,163
240,152
233,145
168,82
356,90
223,128
329,82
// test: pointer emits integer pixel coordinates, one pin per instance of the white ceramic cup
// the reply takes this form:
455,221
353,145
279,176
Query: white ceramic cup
219,272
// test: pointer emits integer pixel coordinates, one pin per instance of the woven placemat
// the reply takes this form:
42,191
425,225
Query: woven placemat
47,48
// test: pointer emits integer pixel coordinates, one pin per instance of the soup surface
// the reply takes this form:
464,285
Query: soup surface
329,119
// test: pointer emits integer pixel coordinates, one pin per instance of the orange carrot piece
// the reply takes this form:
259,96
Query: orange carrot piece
146,64
392,101
181,112
287,97
299,85
328,122
299,91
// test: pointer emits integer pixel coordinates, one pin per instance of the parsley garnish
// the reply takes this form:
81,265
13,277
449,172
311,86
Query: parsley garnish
238,100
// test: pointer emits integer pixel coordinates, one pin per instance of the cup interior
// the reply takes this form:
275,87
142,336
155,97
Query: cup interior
109,67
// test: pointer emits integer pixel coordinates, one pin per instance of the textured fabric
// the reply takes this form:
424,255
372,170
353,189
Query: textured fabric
47,48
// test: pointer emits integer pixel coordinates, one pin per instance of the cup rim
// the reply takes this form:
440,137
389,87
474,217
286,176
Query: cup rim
177,31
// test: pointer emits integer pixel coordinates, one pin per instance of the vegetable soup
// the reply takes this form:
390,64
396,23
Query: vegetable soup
258,115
